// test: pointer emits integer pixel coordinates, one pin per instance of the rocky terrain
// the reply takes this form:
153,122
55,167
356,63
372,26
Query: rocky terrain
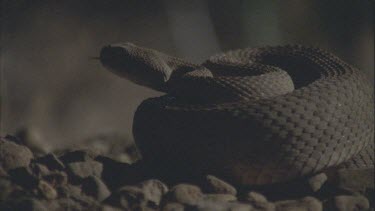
107,174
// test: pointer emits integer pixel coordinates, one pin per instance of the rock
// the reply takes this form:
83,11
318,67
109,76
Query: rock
349,203
69,204
81,170
125,174
216,185
6,188
222,206
129,197
32,139
93,186
3,173
173,206
39,170
77,156
13,155
46,190
317,181
74,194
255,197
24,177
185,194
145,195
259,201
51,161
219,197
69,191
120,148
56,178
153,190
305,204
108,208
29,204
355,180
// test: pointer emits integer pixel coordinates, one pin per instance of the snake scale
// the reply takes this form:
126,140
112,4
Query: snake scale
253,116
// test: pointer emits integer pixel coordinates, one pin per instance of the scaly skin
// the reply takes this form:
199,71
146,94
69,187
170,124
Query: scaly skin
253,116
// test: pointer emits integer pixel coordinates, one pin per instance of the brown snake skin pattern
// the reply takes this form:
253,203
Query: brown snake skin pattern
253,116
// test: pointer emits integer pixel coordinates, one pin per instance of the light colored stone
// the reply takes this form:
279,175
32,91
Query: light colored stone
222,206
216,185
47,190
153,190
356,180
13,155
118,147
305,204
84,169
173,206
219,197
255,197
317,181
109,208
185,194
131,197
349,203
94,186
259,202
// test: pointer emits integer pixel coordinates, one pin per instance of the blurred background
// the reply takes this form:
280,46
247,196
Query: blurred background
49,84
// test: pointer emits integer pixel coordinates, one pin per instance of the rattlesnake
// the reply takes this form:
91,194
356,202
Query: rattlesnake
254,116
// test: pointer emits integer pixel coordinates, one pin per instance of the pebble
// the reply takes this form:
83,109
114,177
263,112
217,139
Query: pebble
69,190
93,186
58,178
108,208
3,173
145,195
153,190
118,147
24,177
46,190
317,181
32,139
222,206
13,155
69,204
173,206
130,197
39,169
305,204
6,188
81,180
349,203
216,185
259,201
71,196
51,161
219,197
29,204
77,156
84,169
185,194
255,197
355,180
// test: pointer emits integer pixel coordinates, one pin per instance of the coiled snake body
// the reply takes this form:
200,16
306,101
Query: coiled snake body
253,116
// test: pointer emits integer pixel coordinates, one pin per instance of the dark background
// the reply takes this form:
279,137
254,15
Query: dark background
49,84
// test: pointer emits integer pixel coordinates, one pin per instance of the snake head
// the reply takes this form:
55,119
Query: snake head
142,66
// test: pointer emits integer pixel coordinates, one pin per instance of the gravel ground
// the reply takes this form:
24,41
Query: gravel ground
108,174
